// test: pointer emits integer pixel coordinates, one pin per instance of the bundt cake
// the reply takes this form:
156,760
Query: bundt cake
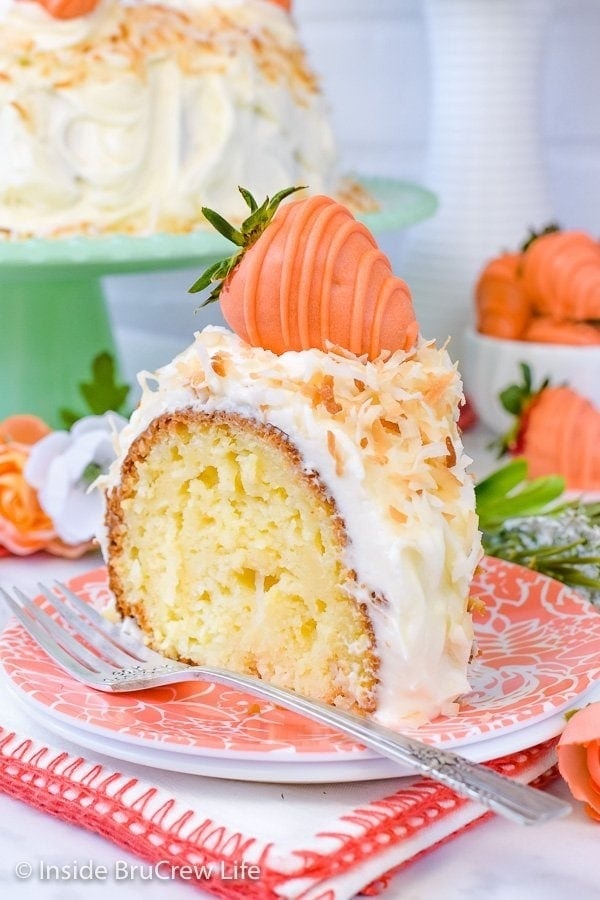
132,115
306,517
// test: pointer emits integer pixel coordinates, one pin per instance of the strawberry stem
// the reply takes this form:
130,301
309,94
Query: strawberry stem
534,235
244,237
516,399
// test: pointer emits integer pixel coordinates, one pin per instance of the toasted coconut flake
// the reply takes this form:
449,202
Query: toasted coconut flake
327,396
438,386
23,113
334,451
476,605
393,427
397,515
451,457
380,459
218,365
447,483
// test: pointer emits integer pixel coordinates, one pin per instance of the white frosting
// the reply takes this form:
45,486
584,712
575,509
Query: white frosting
135,116
407,504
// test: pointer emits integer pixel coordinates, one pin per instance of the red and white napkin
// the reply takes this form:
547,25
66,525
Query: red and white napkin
346,840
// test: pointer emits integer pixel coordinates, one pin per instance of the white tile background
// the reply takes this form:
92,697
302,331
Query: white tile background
373,60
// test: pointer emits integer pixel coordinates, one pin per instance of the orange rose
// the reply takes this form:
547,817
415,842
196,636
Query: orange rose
579,757
24,526
23,429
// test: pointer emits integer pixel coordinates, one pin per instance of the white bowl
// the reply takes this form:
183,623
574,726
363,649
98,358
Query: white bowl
491,364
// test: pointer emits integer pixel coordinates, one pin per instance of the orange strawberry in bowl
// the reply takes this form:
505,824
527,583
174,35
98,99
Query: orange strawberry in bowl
541,306
502,307
547,292
306,275
561,275
545,330
556,429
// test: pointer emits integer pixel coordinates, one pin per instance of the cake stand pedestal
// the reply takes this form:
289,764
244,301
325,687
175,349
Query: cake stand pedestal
54,310
484,160
51,331
55,318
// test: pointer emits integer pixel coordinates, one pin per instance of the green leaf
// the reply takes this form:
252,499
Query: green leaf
510,518
507,494
250,201
223,226
256,221
92,471
281,195
103,392
577,579
502,480
212,297
68,417
527,377
513,399
217,271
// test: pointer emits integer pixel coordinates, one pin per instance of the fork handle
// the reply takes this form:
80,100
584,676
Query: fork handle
517,802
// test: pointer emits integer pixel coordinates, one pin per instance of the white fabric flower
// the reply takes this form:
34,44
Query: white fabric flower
63,465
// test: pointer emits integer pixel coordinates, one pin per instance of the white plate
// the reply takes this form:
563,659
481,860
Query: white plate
363,767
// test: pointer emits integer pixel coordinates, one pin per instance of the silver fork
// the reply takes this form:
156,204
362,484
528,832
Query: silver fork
104,656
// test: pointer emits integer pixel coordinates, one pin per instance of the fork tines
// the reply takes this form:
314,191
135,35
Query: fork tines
73,633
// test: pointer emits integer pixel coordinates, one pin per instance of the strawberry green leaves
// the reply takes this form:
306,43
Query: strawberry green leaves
248,233
516,397
516,400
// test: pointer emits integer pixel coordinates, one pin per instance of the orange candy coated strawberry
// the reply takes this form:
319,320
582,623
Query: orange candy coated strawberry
557,430
544,330
68,9
549,292
308,274
562,437
561,273
502,307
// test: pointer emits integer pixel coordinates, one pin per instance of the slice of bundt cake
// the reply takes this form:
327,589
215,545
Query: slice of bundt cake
306,517
239,561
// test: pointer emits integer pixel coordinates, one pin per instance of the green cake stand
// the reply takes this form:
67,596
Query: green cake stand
54,318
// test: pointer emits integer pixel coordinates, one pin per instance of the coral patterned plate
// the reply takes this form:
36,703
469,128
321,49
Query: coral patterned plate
539,656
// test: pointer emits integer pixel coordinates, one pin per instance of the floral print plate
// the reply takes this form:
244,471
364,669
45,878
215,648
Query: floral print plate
539,655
